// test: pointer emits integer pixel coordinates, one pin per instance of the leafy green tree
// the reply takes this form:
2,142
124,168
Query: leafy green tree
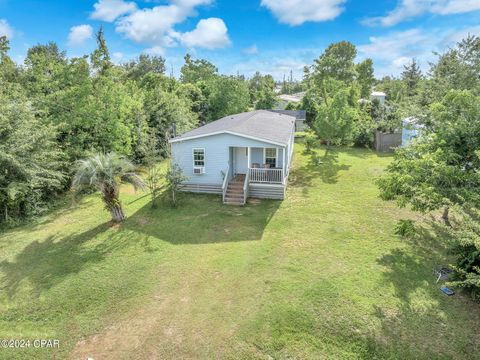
465,246
145,64
262,91
457,69
365,78
103,113
336,62
194,95
8,68
309,103
154,176
174,180
105,172
195,70
226,96
364,128
335,119
43,73
394,88
167,115
31,162
310,142
441,168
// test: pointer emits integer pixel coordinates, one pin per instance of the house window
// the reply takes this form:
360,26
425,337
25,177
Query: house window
271,157
198,158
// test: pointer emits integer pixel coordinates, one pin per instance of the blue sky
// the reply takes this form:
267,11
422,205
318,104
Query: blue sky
272,36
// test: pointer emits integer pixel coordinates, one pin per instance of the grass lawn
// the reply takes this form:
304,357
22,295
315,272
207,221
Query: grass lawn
319,275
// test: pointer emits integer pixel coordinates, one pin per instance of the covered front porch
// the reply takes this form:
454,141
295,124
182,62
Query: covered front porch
259,165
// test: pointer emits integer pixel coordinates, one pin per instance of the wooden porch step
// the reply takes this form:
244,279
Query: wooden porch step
233,196
234,193
233,202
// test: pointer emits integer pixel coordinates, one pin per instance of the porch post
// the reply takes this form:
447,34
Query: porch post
283,165
248,159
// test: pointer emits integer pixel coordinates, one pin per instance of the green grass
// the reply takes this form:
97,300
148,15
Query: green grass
319,275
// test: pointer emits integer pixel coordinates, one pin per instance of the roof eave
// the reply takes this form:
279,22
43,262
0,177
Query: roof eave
179,139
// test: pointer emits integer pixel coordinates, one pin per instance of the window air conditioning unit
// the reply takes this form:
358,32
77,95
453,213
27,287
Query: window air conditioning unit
198,170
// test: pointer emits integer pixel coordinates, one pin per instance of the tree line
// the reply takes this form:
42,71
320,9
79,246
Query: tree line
55,110
438,171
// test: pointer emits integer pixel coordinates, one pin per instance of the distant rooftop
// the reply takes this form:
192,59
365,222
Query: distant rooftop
378,93
270,126
293,97
299,114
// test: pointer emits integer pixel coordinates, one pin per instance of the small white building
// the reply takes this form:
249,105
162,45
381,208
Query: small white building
380,96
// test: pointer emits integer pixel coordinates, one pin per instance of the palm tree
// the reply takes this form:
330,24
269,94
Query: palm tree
106,172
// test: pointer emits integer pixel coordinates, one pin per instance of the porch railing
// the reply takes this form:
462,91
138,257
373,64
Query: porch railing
245,187
226,179
267,176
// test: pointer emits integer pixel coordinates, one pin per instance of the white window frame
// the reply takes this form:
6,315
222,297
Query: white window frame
204,160
265,155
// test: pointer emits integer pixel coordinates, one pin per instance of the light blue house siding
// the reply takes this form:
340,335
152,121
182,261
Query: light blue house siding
218,156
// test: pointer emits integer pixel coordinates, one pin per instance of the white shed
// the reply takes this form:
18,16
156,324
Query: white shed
410,130
380,96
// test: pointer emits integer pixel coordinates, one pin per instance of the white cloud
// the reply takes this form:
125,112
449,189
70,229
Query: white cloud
396,44
155,50
109,10
79,34
296,12
252,50
154,26
210,33
393,50
461,34
5,29
117,57
407,9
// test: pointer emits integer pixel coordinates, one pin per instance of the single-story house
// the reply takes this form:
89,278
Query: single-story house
239,156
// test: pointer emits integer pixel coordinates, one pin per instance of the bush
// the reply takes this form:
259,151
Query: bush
466,247
310,142
405,228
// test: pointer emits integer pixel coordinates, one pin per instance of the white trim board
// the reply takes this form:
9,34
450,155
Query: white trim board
227,132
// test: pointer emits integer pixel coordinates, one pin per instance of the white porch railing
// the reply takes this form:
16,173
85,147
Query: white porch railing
245,188
267,176
226,179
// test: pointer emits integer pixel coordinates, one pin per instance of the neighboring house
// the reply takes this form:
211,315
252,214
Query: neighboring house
292,97
239,156
380,96
300,117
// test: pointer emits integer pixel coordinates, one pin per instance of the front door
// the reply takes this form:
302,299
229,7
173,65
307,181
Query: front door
240,160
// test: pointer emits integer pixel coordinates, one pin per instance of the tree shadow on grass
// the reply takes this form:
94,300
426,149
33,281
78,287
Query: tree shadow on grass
325,168
43,264
203,219
424,316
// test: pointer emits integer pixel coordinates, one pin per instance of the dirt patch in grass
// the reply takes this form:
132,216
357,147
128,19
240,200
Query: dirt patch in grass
124,337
